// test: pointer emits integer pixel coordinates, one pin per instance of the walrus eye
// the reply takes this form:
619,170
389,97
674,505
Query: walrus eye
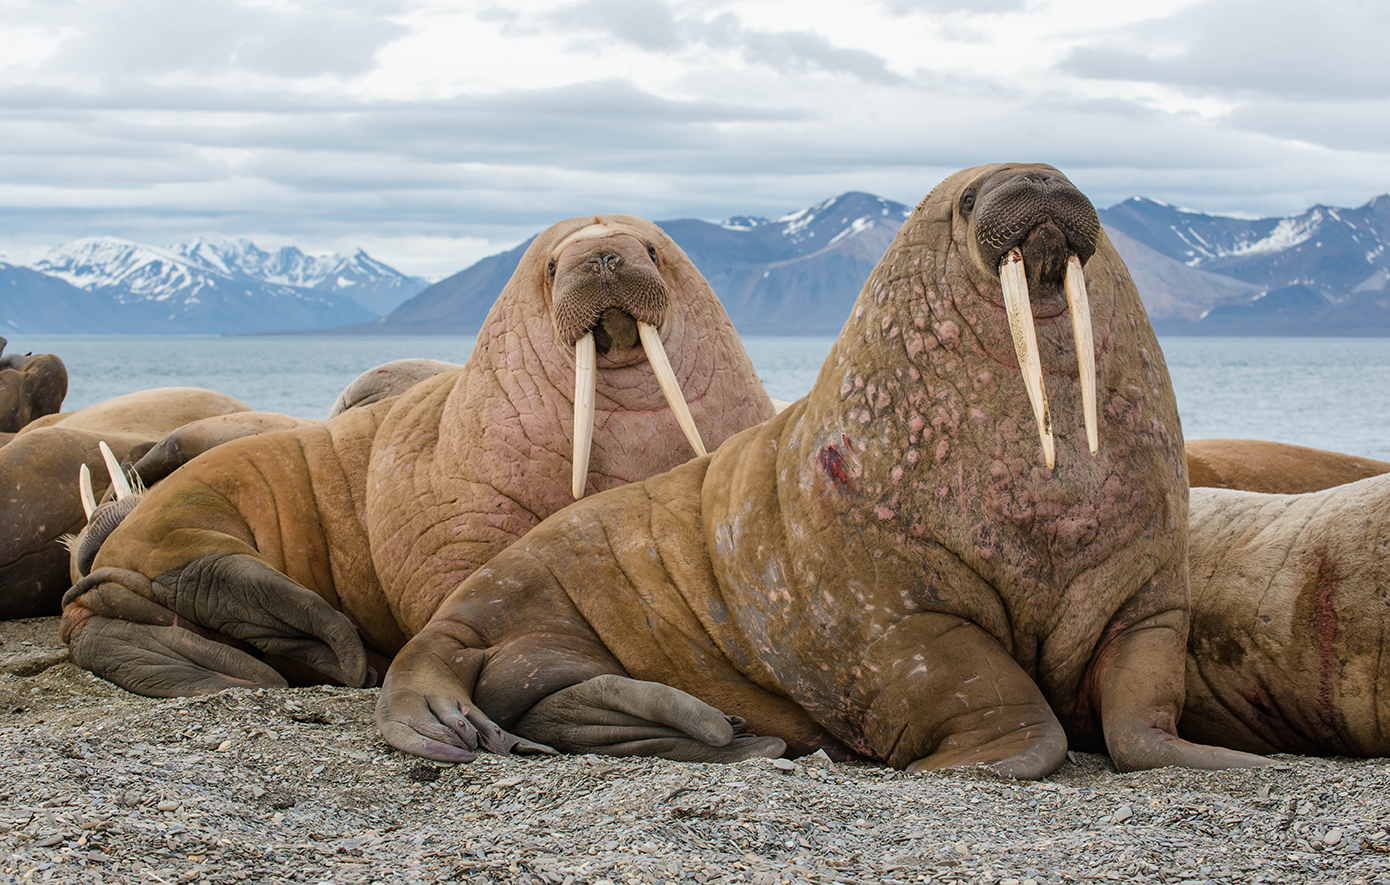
550,269
967,202
651,250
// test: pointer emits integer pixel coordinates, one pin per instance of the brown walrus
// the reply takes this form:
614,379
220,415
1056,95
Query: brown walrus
386,508
39,503
907,564
1290,618
1272,467
31,386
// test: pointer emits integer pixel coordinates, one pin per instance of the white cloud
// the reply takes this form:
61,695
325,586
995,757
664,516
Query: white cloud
412,125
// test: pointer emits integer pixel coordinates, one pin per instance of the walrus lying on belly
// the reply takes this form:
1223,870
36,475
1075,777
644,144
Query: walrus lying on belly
929,560
311,547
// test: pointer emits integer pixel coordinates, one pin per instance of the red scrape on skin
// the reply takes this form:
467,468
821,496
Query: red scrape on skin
1325,627
833,463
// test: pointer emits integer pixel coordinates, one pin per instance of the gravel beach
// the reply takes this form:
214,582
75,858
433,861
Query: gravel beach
293,785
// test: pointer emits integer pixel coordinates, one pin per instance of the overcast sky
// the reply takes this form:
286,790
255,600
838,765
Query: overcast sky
432,134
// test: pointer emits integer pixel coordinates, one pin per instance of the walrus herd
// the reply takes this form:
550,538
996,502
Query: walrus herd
978,541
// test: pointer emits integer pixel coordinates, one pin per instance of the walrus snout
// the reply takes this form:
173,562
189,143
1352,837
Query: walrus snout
609,297
1007,211
1038,230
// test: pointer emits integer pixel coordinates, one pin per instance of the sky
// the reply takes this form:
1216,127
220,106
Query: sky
433,134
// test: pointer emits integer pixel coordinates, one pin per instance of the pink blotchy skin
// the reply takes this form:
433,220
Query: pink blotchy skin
386,508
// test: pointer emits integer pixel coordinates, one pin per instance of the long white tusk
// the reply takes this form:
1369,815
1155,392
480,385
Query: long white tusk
84,490
661,366
1080,308
1015,285
585,382
118,477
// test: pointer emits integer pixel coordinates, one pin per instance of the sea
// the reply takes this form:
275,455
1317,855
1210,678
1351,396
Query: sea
1329,393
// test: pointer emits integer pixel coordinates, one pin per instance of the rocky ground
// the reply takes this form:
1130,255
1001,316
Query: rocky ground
100,786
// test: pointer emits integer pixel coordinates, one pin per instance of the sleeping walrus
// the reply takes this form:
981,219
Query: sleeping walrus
39,503
272,554
31,386
1290,618
1273,467
926,561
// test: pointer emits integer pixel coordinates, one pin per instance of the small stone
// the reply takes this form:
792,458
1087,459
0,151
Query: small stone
168,805
50,840
224,746
1332,837
783,764
423,774
1122,814
507,782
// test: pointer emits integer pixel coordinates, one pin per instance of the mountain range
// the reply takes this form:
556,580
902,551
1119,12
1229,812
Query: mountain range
1325,271
209,286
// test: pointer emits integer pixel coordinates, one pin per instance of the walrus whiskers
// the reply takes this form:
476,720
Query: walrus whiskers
661,367
1080,307
1015,285
585,385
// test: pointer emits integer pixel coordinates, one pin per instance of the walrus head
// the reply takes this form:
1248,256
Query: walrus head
1034,230
103,518
31,386
608,297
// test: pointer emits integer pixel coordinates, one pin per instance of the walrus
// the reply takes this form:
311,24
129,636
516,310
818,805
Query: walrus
320,546
1272,467
929,560
39,470
31,386
1290,618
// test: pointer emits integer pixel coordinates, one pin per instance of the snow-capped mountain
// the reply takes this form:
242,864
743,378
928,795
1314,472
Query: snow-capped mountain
215,285
1328,250
372,284
796,274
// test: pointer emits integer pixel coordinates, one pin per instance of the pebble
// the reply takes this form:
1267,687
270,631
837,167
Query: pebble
1332,837
168,805
1122,814
783,764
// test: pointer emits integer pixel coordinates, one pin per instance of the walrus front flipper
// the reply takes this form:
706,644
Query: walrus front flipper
220,597
426,706
163,662
617,716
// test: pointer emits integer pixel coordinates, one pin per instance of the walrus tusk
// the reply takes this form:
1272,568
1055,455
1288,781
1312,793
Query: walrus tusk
1015,285
661,366
585,382
118,477
84,490
1080,308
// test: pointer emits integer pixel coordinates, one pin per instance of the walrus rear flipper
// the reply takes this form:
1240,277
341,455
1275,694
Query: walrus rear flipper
618,716
216,600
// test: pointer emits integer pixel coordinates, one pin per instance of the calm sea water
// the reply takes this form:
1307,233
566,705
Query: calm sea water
1330,393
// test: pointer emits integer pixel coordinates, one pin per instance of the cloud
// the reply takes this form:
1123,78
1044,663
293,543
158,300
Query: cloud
651,26
157,37
936,7
1287,48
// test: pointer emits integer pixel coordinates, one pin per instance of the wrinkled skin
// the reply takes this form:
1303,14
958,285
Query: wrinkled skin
316,553
886,568
1273,468
1290,620
39,503
31,386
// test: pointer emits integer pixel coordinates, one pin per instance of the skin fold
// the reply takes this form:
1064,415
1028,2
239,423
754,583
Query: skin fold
315,553
1272,467
888,568
1290,613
